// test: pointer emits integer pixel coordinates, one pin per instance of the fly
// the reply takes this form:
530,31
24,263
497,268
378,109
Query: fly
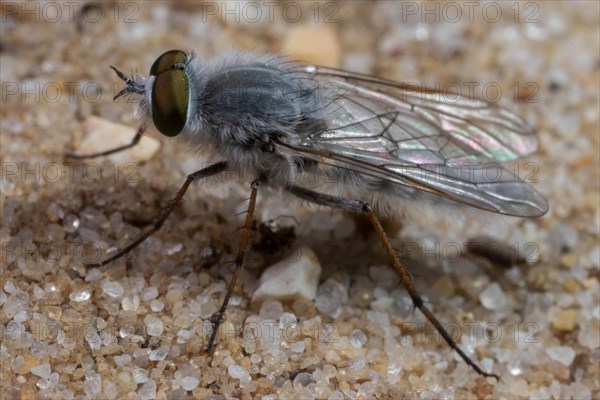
299,127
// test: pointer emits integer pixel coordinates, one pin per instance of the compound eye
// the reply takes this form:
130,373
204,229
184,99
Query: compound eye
170,98
166,61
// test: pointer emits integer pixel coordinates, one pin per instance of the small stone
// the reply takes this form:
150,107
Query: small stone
239,372
140,375
9,287
94,274
303,379
159,354
42,370
92,384
71,223
291,279
156,305
183,335
596,312
14,303
54,212
187,382
358,338
367,390
271,309
154,326
332,295
565,320
298,347
113,289
149,293
564,355
110,390
38,293
126,330
89,235
337,395
22,315
589,338
519,388
493,298
580,391
382,304
101,134
17,364
122,360
80,295
147,391
54,312
130,302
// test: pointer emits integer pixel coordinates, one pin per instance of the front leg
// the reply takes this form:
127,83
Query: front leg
405,277
203,173
136,139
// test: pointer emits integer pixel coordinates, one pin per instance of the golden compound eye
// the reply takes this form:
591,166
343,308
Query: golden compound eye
170,93
166,61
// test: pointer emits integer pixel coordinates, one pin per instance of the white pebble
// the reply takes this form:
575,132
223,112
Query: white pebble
239,372
358,338
110,389
92,384
332,295
113,289
140,375
159,354
42,370
519,388
154,326
80,295
9,287
22,315
122,360
15,303
149,293
183,335
293,278
94,274
147,391
187,382
130,302
564,355
493,298
156,305
589,338
298,347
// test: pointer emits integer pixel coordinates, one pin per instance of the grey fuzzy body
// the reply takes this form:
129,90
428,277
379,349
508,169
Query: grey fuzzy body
243,103
349,135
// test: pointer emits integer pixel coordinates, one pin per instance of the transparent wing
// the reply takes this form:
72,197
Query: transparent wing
423,139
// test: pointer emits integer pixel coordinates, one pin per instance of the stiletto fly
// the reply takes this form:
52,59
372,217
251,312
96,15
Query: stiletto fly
334,138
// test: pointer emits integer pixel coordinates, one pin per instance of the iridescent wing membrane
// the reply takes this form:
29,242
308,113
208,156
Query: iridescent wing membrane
427,140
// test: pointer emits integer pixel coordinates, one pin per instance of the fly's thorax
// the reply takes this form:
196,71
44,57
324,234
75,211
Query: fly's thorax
253,101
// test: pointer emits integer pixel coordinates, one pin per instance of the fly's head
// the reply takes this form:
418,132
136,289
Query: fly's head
165,93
